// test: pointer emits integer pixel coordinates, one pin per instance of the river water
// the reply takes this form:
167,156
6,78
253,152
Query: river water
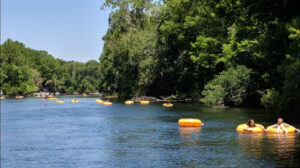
45,134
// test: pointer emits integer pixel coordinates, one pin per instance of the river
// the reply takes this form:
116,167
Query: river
86,134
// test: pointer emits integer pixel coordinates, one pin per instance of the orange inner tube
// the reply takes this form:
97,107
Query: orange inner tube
144,102
106,103
75,101
129,102
274,130
189,122
168,105
99,101
256,129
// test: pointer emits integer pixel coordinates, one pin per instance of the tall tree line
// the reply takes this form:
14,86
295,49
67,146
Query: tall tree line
232,52
24,71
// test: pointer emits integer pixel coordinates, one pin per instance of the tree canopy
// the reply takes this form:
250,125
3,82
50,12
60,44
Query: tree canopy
178,47
24,71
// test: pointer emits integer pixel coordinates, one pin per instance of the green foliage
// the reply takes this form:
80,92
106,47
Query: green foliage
270,98
229,87
177,47
17,80
214,94
24,71
290,68
129,57
207,51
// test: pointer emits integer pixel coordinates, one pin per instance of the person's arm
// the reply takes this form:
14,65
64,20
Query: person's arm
261,127
247,129
296,129
288,125
273,126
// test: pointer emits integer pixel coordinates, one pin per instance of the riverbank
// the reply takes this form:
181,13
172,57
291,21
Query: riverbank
171,98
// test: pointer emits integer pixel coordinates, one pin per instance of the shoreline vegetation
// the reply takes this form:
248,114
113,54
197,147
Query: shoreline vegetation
135,98
221,53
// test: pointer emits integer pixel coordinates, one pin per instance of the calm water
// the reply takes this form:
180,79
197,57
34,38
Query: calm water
87,134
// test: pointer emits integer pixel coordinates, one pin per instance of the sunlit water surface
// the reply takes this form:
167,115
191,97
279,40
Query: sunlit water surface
85,134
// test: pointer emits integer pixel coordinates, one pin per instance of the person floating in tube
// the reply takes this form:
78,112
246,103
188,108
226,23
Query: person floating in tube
251,124
282,126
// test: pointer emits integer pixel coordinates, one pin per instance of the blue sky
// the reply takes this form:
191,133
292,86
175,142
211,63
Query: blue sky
67,29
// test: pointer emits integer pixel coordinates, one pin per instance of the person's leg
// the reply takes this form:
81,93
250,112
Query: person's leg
278,129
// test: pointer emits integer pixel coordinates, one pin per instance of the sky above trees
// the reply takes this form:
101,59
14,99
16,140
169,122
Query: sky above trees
68,29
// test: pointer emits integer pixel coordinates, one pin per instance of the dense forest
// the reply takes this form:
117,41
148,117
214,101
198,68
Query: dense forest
24,71
230,52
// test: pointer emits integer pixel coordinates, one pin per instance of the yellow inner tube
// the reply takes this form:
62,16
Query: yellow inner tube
99,101
60,102
75,101
168,105
189,122
52,98
2,98
19,97
128,102
288,129
106,103
256,129
144,102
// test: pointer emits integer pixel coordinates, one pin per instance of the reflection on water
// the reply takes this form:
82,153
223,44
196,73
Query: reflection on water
251,143
284,148
188,131
190,135
282,145
87,134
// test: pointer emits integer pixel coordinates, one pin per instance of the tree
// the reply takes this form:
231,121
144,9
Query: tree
24,70
228,88
129,46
